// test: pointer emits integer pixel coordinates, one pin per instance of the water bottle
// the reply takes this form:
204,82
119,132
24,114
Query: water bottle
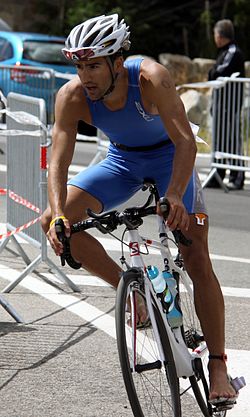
174,314
158,281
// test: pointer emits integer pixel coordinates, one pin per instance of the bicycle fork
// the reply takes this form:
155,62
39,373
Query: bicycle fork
183,358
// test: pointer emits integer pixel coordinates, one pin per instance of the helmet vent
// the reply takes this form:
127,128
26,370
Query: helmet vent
89,41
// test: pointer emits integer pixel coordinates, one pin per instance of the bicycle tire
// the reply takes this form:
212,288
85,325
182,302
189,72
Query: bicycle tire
198,382
152,392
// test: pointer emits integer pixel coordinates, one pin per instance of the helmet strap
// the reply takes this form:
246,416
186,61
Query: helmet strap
114,76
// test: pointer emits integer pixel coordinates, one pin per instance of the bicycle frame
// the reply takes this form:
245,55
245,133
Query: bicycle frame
183,357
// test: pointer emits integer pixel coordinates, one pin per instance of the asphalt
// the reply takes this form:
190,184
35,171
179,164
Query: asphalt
63,362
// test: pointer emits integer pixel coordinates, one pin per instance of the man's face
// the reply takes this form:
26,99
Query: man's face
95,76
219,40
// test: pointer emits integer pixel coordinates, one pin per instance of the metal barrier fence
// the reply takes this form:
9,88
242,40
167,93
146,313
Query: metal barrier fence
23,166
10,309
27,180
230,127
30,81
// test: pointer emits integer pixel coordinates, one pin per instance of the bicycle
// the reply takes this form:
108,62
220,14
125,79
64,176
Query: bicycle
161,365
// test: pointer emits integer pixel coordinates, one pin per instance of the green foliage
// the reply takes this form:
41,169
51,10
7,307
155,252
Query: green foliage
157,26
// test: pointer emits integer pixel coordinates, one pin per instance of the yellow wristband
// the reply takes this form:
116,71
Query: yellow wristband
55,219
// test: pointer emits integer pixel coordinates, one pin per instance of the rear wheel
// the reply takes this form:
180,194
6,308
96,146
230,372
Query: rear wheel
152,386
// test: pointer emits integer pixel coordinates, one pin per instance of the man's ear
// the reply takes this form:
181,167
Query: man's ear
118,64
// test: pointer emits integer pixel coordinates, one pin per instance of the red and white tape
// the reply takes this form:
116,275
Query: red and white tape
23,202
20,200
20,228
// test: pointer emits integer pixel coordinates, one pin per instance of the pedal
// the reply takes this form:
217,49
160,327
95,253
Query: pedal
222,404
225,407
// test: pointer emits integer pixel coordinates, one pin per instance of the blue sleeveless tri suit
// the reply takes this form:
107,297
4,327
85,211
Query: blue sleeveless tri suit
121,174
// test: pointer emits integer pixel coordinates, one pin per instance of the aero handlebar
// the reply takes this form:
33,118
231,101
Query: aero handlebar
107,222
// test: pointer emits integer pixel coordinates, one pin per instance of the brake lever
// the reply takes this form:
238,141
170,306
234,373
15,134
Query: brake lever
178,235
66,255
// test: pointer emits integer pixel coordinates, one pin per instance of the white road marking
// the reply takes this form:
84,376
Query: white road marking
93,281
239,359
3,168
86,280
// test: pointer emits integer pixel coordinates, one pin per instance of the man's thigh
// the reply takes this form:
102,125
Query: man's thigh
108,183
75,208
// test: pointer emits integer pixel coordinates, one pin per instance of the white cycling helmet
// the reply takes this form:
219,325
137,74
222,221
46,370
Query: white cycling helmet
99,36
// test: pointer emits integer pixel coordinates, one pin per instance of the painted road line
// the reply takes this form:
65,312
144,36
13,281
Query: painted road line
93,281
3,168
85,280
239,360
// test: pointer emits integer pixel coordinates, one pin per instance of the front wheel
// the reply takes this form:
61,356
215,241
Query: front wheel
152,384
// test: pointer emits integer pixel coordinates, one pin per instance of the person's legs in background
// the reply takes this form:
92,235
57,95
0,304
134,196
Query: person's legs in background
236,180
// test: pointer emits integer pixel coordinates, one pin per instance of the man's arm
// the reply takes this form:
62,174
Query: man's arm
158,86
63,143
67,114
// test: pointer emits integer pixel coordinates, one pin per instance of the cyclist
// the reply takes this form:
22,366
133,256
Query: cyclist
136,105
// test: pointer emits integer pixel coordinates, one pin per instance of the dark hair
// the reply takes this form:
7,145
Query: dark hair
115,55
225,28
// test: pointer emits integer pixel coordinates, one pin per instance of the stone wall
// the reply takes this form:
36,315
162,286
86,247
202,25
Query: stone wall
185,70
197,102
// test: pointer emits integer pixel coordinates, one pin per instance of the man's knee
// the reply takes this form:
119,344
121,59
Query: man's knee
198,251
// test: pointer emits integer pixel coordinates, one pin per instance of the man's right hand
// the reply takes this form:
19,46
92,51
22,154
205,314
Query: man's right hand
56,245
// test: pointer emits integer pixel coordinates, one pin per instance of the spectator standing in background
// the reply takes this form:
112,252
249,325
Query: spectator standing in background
230,60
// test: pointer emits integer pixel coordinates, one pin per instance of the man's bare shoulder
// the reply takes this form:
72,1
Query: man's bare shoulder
71,102
156,83
153,73
72,92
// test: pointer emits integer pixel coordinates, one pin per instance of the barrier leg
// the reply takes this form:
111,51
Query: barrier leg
26,271
220,181
63,277
214,173
10,310
98,157
20,250
101,153
4,243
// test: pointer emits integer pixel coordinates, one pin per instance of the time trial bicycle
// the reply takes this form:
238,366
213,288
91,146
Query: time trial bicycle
164,366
